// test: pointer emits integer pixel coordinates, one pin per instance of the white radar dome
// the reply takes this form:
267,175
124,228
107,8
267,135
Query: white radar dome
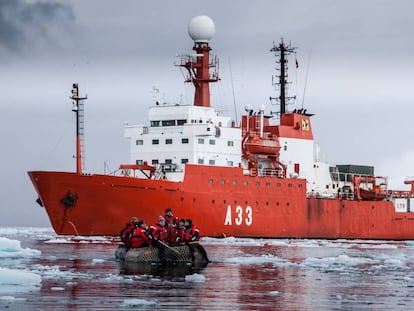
201,29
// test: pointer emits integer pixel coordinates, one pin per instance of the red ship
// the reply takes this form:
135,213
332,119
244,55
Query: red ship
252,179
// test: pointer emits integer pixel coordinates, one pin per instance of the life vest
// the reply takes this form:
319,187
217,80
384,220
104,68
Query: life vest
171,224
126,233
171,220
192,234
158,232
139,238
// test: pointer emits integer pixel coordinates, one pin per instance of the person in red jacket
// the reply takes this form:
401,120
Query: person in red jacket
139,236
158,232
171,224
126,233
180,240
192,234
191,237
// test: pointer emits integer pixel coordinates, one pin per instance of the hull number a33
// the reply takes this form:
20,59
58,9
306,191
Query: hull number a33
238,216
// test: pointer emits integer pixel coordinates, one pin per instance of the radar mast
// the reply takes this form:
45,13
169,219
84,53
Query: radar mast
281,52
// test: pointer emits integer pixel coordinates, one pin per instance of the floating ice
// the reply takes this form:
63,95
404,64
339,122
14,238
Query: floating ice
12,249
27,231
196,278
18,277
233,241
255,260
81,239
338,261
139,303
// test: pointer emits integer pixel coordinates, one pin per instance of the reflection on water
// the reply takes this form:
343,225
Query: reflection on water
245,274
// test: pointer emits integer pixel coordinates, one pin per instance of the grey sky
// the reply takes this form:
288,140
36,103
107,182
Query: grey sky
359,84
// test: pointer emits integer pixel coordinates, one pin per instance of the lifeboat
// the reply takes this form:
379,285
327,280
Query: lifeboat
261,146
372,188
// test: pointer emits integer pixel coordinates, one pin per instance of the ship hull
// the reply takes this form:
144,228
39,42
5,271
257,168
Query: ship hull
221,202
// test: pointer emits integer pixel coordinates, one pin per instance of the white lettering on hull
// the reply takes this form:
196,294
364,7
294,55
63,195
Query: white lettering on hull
241,216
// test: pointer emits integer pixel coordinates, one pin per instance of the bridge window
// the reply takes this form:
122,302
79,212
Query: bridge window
184,140
155,141
211,162
200,161
229,163
155,123
168,141
212,142
230,143
139,142
201,140
139,162
168,161
168,122
154,161
184,161
181,122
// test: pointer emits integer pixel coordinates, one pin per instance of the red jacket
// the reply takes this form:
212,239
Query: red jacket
158,232
192,234
171,220
126,233
180,235
139,238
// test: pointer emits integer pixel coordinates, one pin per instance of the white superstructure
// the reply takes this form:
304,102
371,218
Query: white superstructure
180,134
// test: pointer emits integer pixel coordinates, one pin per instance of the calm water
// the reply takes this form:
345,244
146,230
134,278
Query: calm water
80,273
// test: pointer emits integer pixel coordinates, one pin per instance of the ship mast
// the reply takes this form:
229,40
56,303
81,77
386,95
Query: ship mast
201,29
78,108
281,52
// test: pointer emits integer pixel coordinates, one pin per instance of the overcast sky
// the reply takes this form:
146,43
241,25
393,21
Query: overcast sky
359,84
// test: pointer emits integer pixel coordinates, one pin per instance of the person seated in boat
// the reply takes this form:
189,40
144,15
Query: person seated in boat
158,232
192,237
191,234
140,236
126,233
171,224
180,240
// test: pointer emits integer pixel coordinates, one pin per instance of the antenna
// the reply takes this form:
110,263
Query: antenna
306,78
281,52
78,108
232,88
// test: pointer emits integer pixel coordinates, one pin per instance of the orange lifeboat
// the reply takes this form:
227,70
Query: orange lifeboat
261,146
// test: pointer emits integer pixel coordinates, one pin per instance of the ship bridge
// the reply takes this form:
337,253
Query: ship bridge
181,134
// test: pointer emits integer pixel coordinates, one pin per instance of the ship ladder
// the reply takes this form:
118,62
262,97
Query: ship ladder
159,174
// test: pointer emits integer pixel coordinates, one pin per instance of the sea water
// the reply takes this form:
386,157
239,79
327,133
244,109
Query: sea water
40,270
